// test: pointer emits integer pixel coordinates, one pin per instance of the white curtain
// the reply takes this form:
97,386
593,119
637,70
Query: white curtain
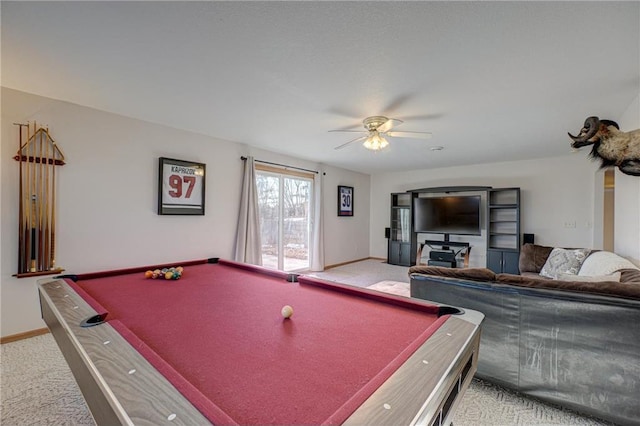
248,245
317,226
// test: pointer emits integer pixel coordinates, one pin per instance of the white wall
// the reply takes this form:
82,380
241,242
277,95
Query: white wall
554,192
346,237
627,197
107,198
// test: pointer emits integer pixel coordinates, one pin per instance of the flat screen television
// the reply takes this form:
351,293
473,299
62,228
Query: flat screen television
458,215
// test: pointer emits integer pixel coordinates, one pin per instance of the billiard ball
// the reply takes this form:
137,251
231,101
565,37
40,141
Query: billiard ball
168,275
148,274
287,311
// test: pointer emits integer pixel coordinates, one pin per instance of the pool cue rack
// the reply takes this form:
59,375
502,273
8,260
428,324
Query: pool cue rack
38,157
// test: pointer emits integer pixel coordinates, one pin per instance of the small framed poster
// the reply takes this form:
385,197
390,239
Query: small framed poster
345,200
180,187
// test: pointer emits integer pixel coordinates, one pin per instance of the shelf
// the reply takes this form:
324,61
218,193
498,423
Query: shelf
511,249
503,206
38,273
503,233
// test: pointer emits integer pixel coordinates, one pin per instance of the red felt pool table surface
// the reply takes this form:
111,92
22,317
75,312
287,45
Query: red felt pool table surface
219,337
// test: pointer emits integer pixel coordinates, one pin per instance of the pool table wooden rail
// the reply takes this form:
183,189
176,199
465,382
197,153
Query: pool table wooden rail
144,396
427,388
121,387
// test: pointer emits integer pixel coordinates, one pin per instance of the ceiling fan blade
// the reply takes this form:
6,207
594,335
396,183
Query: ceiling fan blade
415,135
388,125
348,131
351,141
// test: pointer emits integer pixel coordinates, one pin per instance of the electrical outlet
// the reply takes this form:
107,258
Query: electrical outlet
570,224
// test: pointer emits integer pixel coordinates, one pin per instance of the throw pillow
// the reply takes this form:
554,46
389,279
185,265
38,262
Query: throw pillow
590,278
604,263
563,261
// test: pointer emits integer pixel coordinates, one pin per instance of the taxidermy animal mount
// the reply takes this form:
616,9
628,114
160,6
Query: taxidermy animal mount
612,146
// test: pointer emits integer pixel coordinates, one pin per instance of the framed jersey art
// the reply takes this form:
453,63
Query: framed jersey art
180,187
345,200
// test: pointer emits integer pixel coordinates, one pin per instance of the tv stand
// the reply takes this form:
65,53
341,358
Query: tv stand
445,256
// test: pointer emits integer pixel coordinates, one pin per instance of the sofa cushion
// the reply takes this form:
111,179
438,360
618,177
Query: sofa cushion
624,289
615,277
533,257
564,261
604,263
479,274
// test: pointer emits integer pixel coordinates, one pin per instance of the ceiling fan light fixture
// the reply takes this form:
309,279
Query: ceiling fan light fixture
375,142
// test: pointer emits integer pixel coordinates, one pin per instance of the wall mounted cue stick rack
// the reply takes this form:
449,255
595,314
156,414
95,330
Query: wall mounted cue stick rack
38,156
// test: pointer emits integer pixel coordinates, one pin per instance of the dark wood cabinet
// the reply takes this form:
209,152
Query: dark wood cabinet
399,253
503,261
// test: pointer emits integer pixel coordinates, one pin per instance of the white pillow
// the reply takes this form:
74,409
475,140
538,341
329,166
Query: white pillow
589,278
563,261
604,263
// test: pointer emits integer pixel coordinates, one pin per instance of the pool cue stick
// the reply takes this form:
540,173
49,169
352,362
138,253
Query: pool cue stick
51,199
32,267
27,202
53,209
40,202
21,242
50,191
37,192
45,214
45,205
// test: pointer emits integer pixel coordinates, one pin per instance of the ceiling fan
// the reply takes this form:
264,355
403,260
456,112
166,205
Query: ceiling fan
377,129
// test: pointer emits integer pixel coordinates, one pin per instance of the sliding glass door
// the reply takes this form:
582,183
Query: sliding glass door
284,202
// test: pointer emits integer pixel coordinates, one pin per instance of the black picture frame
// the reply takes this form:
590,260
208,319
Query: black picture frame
345,200
181,187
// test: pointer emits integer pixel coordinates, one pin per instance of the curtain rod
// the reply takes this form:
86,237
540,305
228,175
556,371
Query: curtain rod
243,158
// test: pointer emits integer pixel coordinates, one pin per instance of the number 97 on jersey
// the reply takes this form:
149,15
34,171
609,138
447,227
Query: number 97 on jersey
182,187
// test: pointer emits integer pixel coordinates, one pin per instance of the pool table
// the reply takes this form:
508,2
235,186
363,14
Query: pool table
214,348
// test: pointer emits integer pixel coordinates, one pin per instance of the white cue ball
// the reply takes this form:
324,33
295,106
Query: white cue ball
287,311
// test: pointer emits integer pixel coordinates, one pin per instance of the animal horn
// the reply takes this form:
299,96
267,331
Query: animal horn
589,129
608,123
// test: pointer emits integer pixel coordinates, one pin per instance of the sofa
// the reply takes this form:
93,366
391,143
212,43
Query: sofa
569,336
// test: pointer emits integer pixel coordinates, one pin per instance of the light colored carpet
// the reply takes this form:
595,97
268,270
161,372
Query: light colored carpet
392,287
364,273
37,387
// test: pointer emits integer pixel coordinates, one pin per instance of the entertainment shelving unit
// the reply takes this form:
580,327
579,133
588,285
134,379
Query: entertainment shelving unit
503,230
401,249
502,225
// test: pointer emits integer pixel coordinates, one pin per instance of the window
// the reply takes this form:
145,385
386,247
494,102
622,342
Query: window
284,205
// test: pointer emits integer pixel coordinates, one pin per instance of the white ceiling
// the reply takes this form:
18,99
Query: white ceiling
493,81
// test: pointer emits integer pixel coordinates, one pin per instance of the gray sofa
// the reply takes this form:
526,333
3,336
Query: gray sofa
574,344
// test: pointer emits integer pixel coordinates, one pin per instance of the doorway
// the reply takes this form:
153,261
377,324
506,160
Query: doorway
284,200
